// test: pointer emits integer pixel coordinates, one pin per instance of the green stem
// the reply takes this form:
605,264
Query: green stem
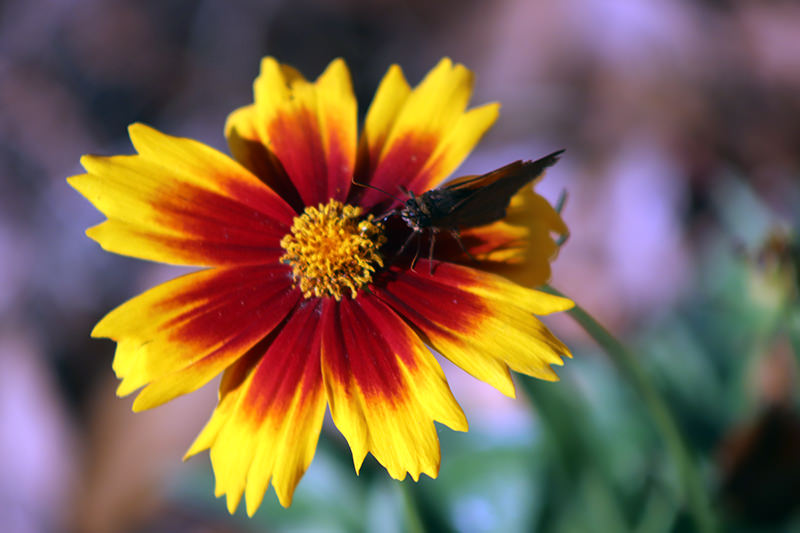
412,512
693,486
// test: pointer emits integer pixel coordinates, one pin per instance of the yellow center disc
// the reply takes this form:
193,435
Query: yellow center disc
331,249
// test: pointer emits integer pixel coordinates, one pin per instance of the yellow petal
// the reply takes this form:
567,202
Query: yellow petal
249,149
416,138
309,127
387,103
521,246
384,388
181,202
177,336
267,424
480,321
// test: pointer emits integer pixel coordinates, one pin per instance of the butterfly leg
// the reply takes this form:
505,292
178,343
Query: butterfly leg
430,251
405,244
416,253
457,236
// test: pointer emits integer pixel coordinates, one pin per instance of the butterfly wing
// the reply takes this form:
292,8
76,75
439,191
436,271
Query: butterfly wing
473,201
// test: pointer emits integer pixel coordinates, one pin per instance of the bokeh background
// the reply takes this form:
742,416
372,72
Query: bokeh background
681,121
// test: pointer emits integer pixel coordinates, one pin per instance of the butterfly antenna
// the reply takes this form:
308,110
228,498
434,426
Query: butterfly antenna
368,186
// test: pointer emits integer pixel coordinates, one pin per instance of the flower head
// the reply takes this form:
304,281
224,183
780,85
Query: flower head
310,300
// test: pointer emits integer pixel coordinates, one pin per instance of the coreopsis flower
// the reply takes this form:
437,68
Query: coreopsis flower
307,301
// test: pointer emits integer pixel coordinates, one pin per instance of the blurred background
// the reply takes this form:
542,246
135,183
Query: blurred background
681,121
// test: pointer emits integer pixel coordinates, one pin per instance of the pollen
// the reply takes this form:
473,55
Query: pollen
333,249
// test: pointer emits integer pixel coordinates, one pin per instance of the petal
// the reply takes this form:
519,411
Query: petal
422,143
386,105
266,426
521,246
177,336
455,146
179,201
384,387
310,127
249,149
480,321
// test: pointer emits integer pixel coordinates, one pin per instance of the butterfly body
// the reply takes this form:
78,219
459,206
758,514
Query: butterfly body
430,210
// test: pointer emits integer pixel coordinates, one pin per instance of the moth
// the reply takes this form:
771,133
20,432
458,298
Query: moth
468,202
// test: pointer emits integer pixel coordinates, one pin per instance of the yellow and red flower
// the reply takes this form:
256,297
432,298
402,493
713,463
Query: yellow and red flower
306,302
